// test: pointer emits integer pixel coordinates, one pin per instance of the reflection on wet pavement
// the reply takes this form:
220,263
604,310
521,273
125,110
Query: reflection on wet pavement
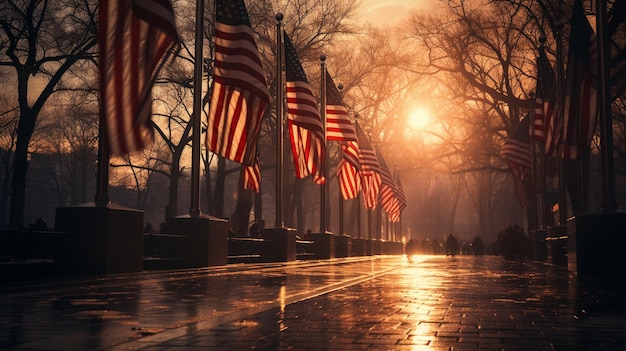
435,302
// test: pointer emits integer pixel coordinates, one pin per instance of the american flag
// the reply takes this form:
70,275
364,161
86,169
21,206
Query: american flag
370,170
400,195
134,40
338,124
251,176
349,180
581,98
305,123
516,151
239,94
348,171
387,194
546,126
340,128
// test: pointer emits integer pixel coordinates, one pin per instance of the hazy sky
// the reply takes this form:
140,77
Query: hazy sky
390,12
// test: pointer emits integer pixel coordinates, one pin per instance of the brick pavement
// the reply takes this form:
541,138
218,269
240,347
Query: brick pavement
380,303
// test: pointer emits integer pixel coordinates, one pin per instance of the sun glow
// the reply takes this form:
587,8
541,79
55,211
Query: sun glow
420,118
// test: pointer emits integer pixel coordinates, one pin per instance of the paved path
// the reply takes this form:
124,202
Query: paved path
366,303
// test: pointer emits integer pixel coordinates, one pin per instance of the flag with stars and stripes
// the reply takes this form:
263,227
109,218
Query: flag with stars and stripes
239,94
305,123
134,40
338,124
251,176
546,125
370,170
387,194
340,128
391,195
348,171
581,97
401,203
516,151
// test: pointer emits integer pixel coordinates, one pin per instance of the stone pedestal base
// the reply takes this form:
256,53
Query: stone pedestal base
377,247
281,244
323,245
369,247
596,243
343,245
358,247
208,236
557,245
391,248
539,249
100,239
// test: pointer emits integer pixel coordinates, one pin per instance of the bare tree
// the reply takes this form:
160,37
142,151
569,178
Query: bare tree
8,136
41,41
71,141
482,56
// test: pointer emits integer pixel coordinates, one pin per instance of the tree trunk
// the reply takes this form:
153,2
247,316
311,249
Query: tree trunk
25,130
4,191
84,166
207,182
299,211
172,207
456,197
258,207
220,181
240,218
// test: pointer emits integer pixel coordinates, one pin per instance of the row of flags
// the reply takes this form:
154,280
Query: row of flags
359,168
135,40
563,132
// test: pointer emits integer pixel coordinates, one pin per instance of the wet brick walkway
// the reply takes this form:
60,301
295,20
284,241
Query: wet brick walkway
371,303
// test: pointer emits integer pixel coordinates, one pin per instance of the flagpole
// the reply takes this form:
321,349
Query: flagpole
559,94
379,223
395,225
385,219
398,230
194,210
341,227
325,170
358,214
358,195
546,218
369,223
533,219
280,148
606,121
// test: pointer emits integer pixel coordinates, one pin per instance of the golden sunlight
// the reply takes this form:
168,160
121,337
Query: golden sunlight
420,118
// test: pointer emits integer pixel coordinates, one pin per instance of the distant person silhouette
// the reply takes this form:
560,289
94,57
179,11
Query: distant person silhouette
452,245
410,249
478,246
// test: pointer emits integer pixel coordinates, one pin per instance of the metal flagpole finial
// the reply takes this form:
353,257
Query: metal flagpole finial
279,17
322,57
